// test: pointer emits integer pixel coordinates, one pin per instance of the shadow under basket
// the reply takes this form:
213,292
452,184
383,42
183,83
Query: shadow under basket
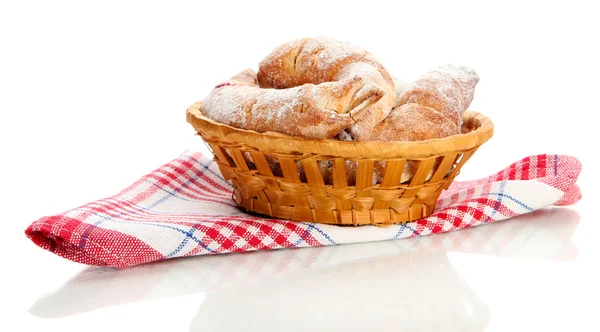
338,182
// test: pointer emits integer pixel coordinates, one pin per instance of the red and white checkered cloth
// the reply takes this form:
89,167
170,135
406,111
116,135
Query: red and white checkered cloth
184,208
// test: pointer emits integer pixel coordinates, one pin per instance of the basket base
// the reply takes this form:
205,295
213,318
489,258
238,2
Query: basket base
353,217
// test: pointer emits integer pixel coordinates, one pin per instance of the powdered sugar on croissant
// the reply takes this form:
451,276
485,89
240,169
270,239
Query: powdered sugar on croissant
312,111
428,108
321,60
414,122
448,89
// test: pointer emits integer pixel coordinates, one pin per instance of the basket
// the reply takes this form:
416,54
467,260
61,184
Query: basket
338,182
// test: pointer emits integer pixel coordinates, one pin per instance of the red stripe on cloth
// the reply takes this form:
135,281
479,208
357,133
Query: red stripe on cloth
525,171
89,209
196,195
456,215
105,247
567,171
179,179
512,171
177,184
206,178
73,235
541,166
132,212
264,235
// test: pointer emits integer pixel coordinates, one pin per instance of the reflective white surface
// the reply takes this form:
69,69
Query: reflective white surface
512,275
93,95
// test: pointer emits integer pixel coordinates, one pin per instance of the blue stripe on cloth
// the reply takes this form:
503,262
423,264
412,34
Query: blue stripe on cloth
84,236
188,234
401,230
185,240
207,167
498,202
174,193
320,231
511,198
185,184
182,244
307,232
164,198
303,236
168,213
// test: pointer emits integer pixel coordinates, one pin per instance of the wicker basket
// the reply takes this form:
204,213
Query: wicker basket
282,176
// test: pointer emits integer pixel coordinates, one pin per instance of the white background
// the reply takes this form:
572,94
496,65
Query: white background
93,95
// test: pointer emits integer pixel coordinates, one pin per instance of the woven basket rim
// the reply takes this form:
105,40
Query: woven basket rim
482,130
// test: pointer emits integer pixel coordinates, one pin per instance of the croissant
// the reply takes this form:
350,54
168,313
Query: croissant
321,60
448,89
312,111
428,108
415,122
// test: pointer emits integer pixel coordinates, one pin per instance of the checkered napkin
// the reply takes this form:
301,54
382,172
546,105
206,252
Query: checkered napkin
184,208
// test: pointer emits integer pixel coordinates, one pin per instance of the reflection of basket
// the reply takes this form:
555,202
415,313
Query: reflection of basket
287,177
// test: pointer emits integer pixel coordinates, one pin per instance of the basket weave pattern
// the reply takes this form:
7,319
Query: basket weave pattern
284,180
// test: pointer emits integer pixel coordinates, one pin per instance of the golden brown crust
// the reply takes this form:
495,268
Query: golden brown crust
246,77
312,111
428,108
307,60
320,60
448,89
414,122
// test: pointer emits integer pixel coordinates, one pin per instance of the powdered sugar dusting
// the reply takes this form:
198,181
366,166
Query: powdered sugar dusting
414,122
299,111
323,86
448,89
321,60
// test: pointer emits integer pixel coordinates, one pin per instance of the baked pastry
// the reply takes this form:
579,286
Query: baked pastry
321,60
448,89
313,111
415,122
412,122
321,88
428,108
